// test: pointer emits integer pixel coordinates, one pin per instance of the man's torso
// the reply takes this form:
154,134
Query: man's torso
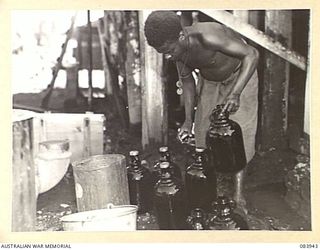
213,65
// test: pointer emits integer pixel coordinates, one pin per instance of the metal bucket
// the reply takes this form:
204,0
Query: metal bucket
113,218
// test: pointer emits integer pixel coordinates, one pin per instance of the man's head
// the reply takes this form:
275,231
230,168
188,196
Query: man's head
162,27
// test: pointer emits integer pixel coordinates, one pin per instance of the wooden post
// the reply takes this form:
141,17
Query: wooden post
154,103
255,18
86,138
107,74
133,69
242,14
306,123
24,198
275,82
100,180
72,86
90,90
114,56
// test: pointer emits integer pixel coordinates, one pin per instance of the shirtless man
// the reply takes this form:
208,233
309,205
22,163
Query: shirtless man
227,66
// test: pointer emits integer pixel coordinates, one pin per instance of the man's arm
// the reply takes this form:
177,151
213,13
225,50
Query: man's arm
248,55
189,93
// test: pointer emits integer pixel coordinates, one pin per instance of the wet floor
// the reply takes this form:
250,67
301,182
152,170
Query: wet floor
267,208
264,183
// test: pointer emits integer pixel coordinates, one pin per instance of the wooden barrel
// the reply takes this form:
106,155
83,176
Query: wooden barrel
101,180
23,170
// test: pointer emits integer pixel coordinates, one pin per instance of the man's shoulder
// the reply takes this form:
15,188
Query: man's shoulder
207,32
206,26
206,29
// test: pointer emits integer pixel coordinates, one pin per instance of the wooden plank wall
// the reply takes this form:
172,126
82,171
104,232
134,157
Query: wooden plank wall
274,106
154,103
133,70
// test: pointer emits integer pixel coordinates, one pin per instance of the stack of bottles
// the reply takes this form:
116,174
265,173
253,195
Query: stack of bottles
194,206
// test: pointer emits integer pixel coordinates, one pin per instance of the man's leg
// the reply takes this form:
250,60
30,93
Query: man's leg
246,116
238,190
207,100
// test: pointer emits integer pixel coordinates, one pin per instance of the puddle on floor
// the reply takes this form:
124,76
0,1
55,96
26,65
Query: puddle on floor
266,203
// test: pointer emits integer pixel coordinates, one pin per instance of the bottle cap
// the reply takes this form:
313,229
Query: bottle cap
197,213
163,149
219,117
200,150
134,153
164,165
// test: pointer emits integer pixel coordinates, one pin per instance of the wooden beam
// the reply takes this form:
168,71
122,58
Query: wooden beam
274,108
257,36
154,103
133,69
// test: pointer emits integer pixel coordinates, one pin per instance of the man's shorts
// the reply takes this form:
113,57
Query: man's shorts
211,93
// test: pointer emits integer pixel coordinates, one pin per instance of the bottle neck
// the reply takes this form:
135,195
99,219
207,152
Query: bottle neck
135,162
220,123
219,118
165,177
224,211
200,158
164,156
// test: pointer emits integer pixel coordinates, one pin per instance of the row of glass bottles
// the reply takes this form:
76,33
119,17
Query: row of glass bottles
225,147
163,189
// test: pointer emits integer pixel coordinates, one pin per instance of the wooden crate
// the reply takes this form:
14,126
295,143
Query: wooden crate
84,131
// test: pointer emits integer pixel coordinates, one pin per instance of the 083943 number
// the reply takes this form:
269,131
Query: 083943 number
308,245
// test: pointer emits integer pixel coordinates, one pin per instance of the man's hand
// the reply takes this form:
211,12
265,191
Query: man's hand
185,131
231,103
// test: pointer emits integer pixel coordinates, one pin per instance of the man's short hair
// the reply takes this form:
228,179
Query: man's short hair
162,26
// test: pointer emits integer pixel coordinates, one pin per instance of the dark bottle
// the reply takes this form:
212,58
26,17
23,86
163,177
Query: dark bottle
169,201
225,142
201,185
140,184
197,220
223,217
165,157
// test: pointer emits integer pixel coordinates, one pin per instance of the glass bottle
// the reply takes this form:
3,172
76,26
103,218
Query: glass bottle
225,142
223,216
169,201
197,219
201,185
165,157
140,184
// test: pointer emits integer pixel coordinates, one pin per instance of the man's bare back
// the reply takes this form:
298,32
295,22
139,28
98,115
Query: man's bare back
201,54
